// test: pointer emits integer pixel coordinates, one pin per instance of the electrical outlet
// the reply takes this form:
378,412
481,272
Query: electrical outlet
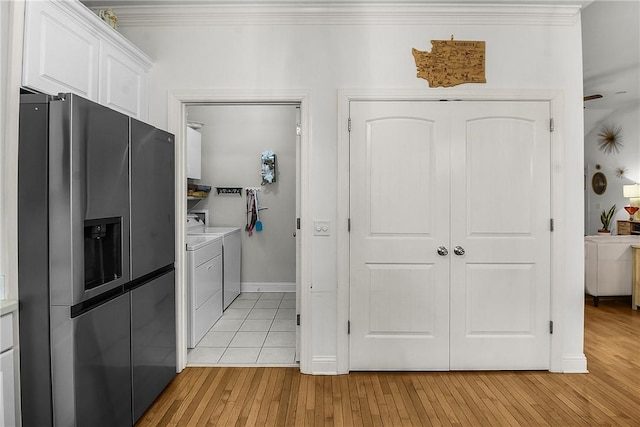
321,228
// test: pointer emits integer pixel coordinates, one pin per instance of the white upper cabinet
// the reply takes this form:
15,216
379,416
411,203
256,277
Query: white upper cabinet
60,54
194,153
123,82
67,48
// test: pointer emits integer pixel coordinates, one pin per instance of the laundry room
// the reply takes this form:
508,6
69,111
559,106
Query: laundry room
241,174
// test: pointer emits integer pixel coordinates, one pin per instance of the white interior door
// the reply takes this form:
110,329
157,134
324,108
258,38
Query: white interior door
399,293
472,175
500,207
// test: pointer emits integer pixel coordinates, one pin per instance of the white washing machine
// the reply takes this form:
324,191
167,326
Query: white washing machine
231,254
204,261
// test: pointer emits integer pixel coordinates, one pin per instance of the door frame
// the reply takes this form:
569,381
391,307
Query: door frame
556,107
176,123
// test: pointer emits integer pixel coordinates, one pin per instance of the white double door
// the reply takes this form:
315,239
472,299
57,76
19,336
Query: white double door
450,235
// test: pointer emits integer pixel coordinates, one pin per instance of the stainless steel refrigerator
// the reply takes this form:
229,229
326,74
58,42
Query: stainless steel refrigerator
96,254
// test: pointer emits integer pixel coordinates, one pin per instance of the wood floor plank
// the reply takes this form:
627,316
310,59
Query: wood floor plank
243,415
336,396
609,395
201,406
232,409
426,402
318,409
284,397
193,396
270,401
365,409
407,412
450,415
329,410
345,404
355,401
439,415
372,403
259,398
469,409
294,395
302,401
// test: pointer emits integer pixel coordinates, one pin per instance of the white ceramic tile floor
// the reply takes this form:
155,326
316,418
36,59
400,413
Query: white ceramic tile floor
270,356
248,339
257,329
262,313
283,325
280,339
268,303
217,339
254,325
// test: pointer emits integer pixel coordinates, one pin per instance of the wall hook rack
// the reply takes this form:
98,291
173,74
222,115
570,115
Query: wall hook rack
229,190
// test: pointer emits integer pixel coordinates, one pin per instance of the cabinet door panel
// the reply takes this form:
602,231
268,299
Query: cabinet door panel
123,82
194,148
60,55
208,280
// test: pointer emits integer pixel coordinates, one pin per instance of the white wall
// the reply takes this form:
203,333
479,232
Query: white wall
628,157
4,64
611,42
233,138
341,51
11,27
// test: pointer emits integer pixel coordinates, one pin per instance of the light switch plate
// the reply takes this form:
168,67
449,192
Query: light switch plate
321,228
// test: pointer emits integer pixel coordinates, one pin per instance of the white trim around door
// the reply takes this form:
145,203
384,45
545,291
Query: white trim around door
556,102
176,124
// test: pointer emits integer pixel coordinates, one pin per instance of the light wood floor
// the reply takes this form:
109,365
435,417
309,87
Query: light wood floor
608,395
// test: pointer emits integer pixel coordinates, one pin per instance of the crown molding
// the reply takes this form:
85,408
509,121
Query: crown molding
345,14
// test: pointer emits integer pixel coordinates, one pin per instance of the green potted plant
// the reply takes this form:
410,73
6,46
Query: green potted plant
605,219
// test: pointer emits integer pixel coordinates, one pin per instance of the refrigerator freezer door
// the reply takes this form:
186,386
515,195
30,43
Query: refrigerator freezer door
152,199
92,371
103,381
153,340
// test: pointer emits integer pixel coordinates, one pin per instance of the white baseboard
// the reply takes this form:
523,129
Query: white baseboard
324,365
267,287
574,364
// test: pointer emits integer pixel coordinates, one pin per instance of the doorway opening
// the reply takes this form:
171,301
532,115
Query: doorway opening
244,162
261,326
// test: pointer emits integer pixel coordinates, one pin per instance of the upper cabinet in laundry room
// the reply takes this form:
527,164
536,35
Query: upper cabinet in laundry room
67,48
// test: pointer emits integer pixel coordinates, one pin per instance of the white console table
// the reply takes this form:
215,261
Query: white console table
608,265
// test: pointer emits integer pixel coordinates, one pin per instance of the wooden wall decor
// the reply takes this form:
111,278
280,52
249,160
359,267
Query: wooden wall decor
451,62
